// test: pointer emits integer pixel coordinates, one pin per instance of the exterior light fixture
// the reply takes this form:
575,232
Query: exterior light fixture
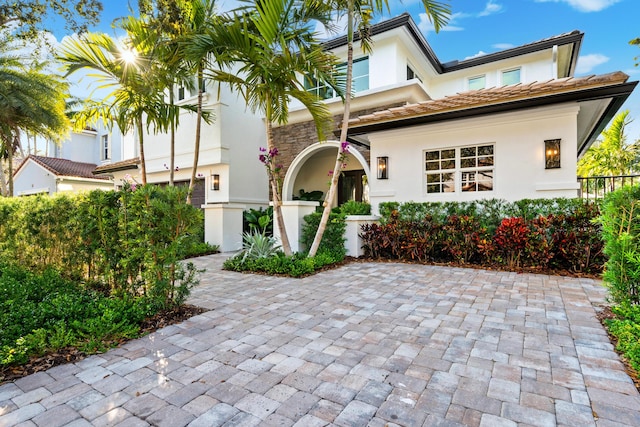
552,153
383,170
215,182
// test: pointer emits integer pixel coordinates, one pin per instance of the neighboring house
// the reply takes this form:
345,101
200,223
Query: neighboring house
49,175
68,166
508,125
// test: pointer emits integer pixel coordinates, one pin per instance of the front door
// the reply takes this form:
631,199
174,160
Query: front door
351,186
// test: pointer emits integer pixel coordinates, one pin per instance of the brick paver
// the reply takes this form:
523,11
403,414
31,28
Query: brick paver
367,344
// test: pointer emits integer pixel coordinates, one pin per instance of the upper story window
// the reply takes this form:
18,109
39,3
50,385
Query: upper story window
106,147
477,82
511,77
360,81
466,169
180,93
412,74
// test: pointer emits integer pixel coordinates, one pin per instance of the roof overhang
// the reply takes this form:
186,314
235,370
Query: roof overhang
598,106
130,164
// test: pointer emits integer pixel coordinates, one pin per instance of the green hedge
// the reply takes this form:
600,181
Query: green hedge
543,233
621,228
128,242
41,313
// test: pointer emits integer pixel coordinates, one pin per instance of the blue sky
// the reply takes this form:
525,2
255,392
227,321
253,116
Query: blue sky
484,26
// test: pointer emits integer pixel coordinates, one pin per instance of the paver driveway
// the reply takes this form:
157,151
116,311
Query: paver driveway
366,344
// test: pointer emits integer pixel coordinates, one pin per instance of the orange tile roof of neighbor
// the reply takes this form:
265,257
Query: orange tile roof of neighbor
117,166
63,167
491,96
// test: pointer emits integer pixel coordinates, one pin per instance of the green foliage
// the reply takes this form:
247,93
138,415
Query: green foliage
45,312
626,329
352,207
295,266
333,237
621,230
128,242
258,245
260,220
561,233
311,196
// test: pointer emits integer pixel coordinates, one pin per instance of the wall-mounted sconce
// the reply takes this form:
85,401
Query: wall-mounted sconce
383,167
552,153
215,182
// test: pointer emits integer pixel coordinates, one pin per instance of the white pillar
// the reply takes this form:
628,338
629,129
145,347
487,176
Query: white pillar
353,241
293,213
223,225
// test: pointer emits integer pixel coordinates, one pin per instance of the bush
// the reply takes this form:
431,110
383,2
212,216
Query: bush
129,242
333,237
560,233
260,220
295,266
621,230
352,207
626,329
45,312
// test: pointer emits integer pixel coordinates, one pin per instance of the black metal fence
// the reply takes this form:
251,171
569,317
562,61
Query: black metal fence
595,187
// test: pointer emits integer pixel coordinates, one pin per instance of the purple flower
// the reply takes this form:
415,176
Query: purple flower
262,158
177,168
344,146
330,173
273,152
262,149
133,187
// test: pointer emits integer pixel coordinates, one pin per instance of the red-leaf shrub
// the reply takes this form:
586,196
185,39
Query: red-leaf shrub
462,238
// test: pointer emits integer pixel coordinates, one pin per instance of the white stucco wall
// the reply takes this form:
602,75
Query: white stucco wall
519,170
32,178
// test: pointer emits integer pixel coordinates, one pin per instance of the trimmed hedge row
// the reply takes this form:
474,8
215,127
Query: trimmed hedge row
543,233
126,243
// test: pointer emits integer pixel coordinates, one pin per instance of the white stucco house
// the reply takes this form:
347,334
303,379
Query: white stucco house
230,177
50,175
68,166
510,124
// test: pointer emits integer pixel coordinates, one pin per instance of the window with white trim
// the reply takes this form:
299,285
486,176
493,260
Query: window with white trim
106,147
477,82
511,77
464,169
359,83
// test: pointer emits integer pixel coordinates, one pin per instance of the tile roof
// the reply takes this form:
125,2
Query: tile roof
491,96
121,165
63,167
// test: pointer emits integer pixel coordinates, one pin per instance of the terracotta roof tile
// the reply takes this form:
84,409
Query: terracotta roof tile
490,96
64,167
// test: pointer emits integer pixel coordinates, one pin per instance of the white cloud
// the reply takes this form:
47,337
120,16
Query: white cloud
585,5
426,26
586,63
480,53
491,8
503,46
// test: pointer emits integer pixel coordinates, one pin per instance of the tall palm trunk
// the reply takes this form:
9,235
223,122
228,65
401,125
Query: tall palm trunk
276,196
196,153
337,168
172,120
143,166
4,191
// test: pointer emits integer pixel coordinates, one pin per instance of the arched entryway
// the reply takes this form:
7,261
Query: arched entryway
309,172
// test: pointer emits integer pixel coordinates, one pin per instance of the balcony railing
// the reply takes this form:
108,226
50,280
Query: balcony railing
596,187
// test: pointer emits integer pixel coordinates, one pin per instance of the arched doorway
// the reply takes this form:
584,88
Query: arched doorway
310,171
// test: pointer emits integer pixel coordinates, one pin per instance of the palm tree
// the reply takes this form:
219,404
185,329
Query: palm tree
612,155
133,101
359,13
271,43
32,102
153,33
198,18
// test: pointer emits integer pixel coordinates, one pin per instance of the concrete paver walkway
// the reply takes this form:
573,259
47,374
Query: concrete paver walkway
367,344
